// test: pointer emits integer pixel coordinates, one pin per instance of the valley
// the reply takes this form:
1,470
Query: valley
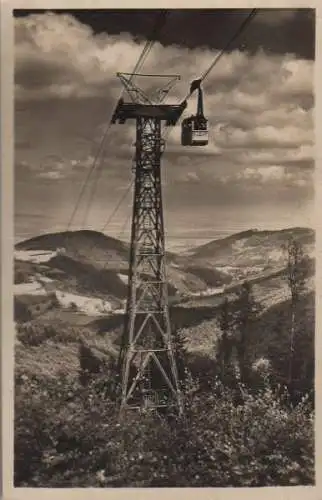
75,284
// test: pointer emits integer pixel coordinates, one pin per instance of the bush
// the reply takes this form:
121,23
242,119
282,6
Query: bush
22,313
35,333
73,307
69,435
20,277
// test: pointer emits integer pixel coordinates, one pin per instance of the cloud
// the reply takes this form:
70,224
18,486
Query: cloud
303,154
52,174
259,106
52,167
262,136
83,164
190,177
271,182
49,167
24,165
57,56
275,174
271,173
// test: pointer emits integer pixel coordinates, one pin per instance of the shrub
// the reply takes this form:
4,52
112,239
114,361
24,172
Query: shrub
72,437
20,277
22,313
73,307
35,333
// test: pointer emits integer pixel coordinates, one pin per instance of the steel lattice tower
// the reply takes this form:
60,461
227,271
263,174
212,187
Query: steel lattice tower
147,363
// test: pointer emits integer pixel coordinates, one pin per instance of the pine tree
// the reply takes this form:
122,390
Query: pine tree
246,311
179,344
296,274
224,349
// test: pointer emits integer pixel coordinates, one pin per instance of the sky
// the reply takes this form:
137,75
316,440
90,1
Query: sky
256,172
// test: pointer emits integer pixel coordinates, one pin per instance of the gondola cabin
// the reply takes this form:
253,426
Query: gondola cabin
194,130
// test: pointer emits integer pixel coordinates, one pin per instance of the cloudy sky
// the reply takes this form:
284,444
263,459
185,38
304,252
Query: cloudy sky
258,168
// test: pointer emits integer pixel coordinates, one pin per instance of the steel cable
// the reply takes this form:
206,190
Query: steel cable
147,48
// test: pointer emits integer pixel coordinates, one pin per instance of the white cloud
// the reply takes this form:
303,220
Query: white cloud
259,107
272,176
261,136
273,172
300,154
54,174
58,56
190,177
84,163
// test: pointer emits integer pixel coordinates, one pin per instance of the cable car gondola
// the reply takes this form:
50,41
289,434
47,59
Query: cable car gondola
194,130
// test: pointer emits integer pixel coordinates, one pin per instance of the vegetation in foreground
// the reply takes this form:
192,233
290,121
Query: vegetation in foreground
69,436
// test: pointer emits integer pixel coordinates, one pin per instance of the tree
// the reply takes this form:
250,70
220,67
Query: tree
179,345
296,275
246,311
89,363
225,344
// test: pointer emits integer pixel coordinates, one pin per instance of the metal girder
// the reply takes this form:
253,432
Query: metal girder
170,113
151,96
148,363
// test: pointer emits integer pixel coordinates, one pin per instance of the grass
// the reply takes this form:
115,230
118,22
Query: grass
46,361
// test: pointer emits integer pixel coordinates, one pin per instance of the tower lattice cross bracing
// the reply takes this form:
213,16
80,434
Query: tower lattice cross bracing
147,363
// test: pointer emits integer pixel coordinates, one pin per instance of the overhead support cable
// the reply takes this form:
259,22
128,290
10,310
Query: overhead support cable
117,206
161,18
206,73
240,30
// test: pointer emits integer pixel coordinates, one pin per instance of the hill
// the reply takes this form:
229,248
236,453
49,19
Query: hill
252,238
88,262
249,252
85,246
80,266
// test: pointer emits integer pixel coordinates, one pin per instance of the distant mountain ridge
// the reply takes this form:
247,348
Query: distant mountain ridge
69,240
252,248
49,241
299,233
90,262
